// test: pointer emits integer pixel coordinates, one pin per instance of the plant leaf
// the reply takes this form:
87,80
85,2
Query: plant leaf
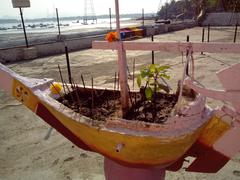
152,68
144,73
163,87
161,68
148,93
165,76
139,81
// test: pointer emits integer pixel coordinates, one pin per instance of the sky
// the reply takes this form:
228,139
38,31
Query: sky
46,8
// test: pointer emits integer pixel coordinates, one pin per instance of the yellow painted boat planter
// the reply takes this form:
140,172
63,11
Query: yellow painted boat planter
132,143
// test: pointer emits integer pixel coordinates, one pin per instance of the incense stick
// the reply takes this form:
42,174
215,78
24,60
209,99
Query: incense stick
69,92
92,98
83,81
133,73
115,82
76,92
68,65
60,72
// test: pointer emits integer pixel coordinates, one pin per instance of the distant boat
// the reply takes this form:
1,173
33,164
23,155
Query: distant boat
84,23
76,21
51,27
3,28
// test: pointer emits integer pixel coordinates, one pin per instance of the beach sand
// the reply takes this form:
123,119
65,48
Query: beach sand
24,154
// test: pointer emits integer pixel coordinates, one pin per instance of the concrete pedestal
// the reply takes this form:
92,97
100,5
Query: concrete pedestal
115,171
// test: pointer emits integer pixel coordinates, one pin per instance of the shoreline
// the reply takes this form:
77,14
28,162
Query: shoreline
76,41
14,39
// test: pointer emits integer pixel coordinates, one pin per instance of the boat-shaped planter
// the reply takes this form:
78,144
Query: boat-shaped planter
129,142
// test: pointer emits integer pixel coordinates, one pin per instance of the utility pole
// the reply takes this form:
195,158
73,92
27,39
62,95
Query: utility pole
110,18
20,5
23,25
59,31
142,16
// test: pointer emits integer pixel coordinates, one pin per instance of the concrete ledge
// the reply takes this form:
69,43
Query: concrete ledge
47,49
157,29
30,53
11,55
222,19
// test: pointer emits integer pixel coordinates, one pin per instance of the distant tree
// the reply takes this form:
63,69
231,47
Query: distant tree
176,8
187,8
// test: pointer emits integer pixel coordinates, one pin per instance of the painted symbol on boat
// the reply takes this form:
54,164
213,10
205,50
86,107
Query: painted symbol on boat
21,94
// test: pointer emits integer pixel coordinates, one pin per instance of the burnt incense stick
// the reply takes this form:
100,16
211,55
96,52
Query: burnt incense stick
83,81
73,84
69,92
76,92
106,97
208,35
135,102
92,105
115,82
114,89
235,33
68,65
130,95
144,109
118,82
187,70
129,74
60,72
135,98
133,73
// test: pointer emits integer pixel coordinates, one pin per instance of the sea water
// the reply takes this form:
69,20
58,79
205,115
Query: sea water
52,26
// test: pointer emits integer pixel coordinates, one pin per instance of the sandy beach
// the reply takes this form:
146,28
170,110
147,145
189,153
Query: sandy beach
24,154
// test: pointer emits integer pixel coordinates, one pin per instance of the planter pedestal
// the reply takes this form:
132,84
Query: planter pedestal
115,171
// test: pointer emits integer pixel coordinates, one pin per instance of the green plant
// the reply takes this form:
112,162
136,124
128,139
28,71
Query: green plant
154,76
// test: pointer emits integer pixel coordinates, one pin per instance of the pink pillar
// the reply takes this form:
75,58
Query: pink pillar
115,171
122,65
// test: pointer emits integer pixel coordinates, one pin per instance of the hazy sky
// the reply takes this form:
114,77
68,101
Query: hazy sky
46,8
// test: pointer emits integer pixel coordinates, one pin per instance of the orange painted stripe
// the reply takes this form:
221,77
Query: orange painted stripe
215,129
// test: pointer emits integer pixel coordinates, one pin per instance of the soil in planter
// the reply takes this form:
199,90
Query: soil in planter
154,112
106,104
